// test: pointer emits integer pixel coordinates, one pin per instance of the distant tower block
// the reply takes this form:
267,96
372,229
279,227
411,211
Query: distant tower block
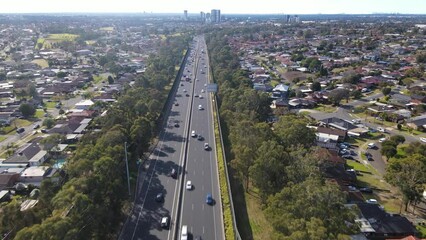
185,15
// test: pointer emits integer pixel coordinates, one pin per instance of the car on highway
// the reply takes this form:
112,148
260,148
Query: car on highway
422,139
193,134
176,125
202,90
173,173
165,222
188,185
184,90
200,107
184,233
201,97
206,146
200,138
159,197
187,95
176,104
209,199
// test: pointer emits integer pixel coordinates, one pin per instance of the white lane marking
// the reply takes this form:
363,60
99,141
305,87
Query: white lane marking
192,207
204,230
149,184
202,173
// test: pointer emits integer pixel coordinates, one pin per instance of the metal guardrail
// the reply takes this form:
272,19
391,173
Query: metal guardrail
231,201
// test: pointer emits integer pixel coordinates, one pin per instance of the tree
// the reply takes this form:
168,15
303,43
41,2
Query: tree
316,86
386,90
356,94
408,175
110,79
292,131
27,110
398,139
338,95
48,122
312,209
388,150
268,170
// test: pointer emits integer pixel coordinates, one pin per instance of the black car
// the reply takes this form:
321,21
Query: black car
159,197
20,130
366,190
187,95
176,125
199,137
369,156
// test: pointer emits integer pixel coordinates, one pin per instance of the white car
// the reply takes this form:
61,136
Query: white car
202,90
201,97
200,107
193,134
372,201
380,129
382,140
422,139
188,185
371,145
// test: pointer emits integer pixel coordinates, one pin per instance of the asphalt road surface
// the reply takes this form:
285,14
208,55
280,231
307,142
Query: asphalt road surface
177,150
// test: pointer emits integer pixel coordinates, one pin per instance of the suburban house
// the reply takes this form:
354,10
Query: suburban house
377,224
35,175
418,123
8,180
30,154
345,125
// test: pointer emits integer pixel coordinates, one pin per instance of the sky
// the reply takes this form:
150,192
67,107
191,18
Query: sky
226,6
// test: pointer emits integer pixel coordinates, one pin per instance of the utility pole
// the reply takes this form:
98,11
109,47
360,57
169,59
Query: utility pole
127,167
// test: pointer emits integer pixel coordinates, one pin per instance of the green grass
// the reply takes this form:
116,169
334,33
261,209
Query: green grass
422,231
2,138
108,29
41,62
55,38
21,122
98,79
325,108
381,190
50,105
39,113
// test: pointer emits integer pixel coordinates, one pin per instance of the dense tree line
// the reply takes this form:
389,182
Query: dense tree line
89,202
278,160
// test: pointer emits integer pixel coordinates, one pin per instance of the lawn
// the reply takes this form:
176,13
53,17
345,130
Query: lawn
39,113
50,105
2,138
107,29
41,62
55,38
98,79
21,122
382,191
422,231
325,108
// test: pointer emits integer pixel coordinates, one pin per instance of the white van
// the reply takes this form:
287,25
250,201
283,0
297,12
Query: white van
184,233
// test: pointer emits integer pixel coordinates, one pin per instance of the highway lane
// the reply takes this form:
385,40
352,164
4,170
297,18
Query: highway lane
144,222
201,166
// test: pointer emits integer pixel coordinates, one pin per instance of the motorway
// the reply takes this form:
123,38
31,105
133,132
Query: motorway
177,150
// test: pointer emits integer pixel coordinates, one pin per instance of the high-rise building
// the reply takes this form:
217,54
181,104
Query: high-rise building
203,16
185,15
208,17
215,15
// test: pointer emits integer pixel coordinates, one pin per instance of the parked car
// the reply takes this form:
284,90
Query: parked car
20,130
382,140
380,129
371,145
372,201
422,139
366,190
43,130
36,126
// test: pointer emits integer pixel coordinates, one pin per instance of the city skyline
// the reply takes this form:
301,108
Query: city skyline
227,7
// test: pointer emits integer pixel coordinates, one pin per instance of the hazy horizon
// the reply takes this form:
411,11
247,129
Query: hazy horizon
226,7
